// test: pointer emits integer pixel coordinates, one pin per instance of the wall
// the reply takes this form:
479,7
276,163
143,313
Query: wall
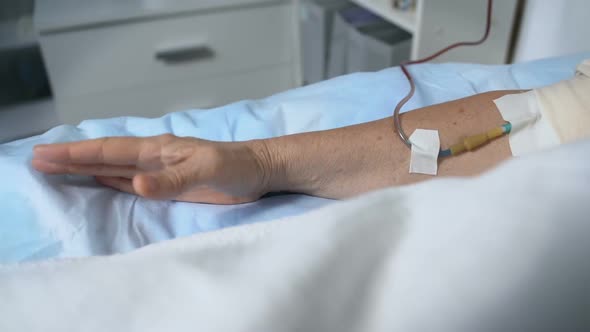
552,28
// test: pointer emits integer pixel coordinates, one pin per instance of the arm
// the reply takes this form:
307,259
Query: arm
348,161
334,163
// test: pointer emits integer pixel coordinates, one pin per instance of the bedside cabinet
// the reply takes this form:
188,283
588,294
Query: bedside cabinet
147,58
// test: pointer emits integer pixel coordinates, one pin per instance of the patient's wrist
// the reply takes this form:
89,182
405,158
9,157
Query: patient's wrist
284,167
270,165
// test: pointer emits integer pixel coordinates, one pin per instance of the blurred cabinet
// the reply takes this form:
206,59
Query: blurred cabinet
435,24
345,36
147,58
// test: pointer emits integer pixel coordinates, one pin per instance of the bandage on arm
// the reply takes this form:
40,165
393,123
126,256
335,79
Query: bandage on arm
567,105
344,162
549,116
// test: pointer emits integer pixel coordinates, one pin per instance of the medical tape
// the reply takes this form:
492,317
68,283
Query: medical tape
425,150
531,129
584,68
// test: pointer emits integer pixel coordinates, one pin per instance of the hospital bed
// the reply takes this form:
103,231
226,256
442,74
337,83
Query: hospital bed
69,216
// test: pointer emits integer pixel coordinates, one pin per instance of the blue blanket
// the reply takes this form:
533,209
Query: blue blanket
67,216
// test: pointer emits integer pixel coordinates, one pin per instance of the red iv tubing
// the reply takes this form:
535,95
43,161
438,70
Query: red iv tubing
403,66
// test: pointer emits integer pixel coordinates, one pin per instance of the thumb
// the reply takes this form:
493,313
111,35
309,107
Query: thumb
165,184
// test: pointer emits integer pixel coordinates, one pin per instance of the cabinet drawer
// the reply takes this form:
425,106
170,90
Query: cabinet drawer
158,99
196,46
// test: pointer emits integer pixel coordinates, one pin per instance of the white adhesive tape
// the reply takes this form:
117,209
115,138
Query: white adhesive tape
531,130
425,149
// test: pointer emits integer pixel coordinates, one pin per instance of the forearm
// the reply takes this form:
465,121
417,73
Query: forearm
344,162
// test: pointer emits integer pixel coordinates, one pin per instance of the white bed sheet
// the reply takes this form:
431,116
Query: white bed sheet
505,251
63,216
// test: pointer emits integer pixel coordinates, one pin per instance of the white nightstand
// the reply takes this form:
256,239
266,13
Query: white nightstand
150,57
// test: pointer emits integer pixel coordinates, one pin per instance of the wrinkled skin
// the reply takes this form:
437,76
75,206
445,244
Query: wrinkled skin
162,167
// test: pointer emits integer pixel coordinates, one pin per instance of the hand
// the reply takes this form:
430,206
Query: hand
164,167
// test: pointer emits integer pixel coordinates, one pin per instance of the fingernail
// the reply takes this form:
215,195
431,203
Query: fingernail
40,151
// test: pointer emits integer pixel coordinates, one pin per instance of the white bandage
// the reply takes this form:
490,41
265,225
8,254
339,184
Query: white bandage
584,68
531,131
549,116
567,105
425,149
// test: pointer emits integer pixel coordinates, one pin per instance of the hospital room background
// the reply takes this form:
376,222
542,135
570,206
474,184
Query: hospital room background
505,248
65,61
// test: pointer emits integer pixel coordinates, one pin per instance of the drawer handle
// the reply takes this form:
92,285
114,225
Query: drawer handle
184,54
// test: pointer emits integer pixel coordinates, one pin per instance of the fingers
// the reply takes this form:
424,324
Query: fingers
93,170
117,183
155,186
154,167
201,194
109,150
